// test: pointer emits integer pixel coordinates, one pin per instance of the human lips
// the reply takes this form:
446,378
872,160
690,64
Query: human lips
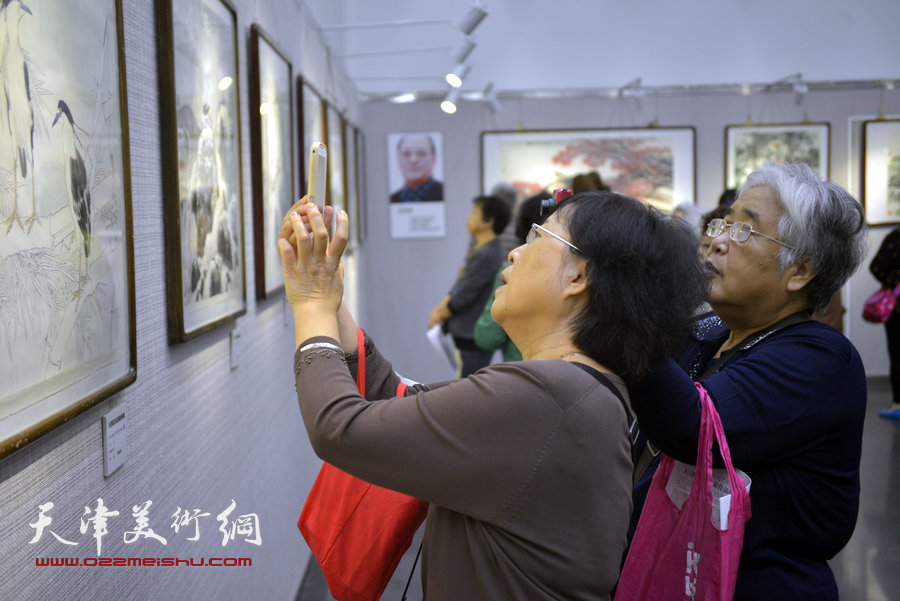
710,270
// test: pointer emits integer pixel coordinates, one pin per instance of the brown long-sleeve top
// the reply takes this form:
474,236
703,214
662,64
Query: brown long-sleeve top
527,467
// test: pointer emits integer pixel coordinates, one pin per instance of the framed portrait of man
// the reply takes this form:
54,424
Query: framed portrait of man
416,184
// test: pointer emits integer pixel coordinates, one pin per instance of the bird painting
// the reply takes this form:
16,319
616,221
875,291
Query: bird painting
76,176
18,117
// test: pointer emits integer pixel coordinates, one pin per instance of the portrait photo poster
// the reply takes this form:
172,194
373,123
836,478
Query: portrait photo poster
416,184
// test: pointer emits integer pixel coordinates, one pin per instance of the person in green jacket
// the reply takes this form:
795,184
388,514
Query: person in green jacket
489,336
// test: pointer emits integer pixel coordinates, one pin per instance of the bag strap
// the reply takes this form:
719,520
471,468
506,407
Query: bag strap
361,362
401,390
632,422
739,495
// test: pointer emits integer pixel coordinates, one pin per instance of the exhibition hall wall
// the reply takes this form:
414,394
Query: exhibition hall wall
212,425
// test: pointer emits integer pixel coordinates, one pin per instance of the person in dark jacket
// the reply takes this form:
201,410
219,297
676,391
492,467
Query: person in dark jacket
790,390
460,308
885,266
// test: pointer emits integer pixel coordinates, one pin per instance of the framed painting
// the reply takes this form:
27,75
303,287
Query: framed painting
337,185
312,124
67,302
881,171
202,185
272,145
352,192
655,165
749,146
362,209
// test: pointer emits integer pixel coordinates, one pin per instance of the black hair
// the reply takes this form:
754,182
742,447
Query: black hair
728,197
584,182
494,208
529,212
644,280
718,213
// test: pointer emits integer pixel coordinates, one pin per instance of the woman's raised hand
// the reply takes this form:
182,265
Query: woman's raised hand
313,275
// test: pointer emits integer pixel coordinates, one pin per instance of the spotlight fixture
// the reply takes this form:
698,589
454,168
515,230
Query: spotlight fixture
449,103
490,98
455,78
462,50
404,98
800,90
467,24
477,13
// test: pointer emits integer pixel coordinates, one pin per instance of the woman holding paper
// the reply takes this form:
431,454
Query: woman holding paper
791,392
527,465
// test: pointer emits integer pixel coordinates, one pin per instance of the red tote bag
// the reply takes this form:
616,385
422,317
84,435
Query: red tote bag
358,531
679,554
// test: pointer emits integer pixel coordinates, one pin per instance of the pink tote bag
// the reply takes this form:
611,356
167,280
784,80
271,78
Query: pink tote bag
679,554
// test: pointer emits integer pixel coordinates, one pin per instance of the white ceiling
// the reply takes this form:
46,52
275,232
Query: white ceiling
536,45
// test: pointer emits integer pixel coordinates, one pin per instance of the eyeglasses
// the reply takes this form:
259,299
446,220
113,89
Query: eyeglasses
532,235
740,232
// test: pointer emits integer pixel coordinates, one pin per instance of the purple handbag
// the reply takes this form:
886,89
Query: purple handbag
880,305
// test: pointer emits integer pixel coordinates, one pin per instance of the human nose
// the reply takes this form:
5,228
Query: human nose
719,244
514,253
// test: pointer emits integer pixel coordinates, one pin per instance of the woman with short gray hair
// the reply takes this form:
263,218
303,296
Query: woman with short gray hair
791,391
821,221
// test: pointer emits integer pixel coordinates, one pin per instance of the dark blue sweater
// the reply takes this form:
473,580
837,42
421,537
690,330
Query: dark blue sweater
792,405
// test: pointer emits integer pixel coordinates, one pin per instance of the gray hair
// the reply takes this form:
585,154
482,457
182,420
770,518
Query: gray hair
821,221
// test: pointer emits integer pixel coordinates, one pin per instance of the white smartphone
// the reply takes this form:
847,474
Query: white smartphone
318,163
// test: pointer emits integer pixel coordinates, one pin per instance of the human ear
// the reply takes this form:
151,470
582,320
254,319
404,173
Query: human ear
575,276
800,275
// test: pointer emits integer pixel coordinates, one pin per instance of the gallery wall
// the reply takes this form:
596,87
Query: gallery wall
208,424
200,434
403,279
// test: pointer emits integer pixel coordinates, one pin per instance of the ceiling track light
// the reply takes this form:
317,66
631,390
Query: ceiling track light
467,24
455,78
490,98
450,102
800,90
462,50
476,14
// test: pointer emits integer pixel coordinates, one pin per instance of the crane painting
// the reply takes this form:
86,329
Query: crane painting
66,299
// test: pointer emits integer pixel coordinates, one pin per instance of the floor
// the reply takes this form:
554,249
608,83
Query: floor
868,569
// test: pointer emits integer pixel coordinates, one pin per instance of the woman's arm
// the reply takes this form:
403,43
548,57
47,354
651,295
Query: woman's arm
785,394
483,433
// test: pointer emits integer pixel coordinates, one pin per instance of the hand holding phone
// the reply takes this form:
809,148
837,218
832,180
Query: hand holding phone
318,162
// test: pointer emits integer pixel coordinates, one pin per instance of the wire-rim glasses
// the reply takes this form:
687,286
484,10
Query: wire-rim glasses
740,232
532,234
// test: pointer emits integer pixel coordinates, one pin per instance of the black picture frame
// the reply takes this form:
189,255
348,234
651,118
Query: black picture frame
272,154
881,171
202,167
749,146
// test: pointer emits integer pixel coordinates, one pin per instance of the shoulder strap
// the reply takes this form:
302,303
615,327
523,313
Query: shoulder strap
632,422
